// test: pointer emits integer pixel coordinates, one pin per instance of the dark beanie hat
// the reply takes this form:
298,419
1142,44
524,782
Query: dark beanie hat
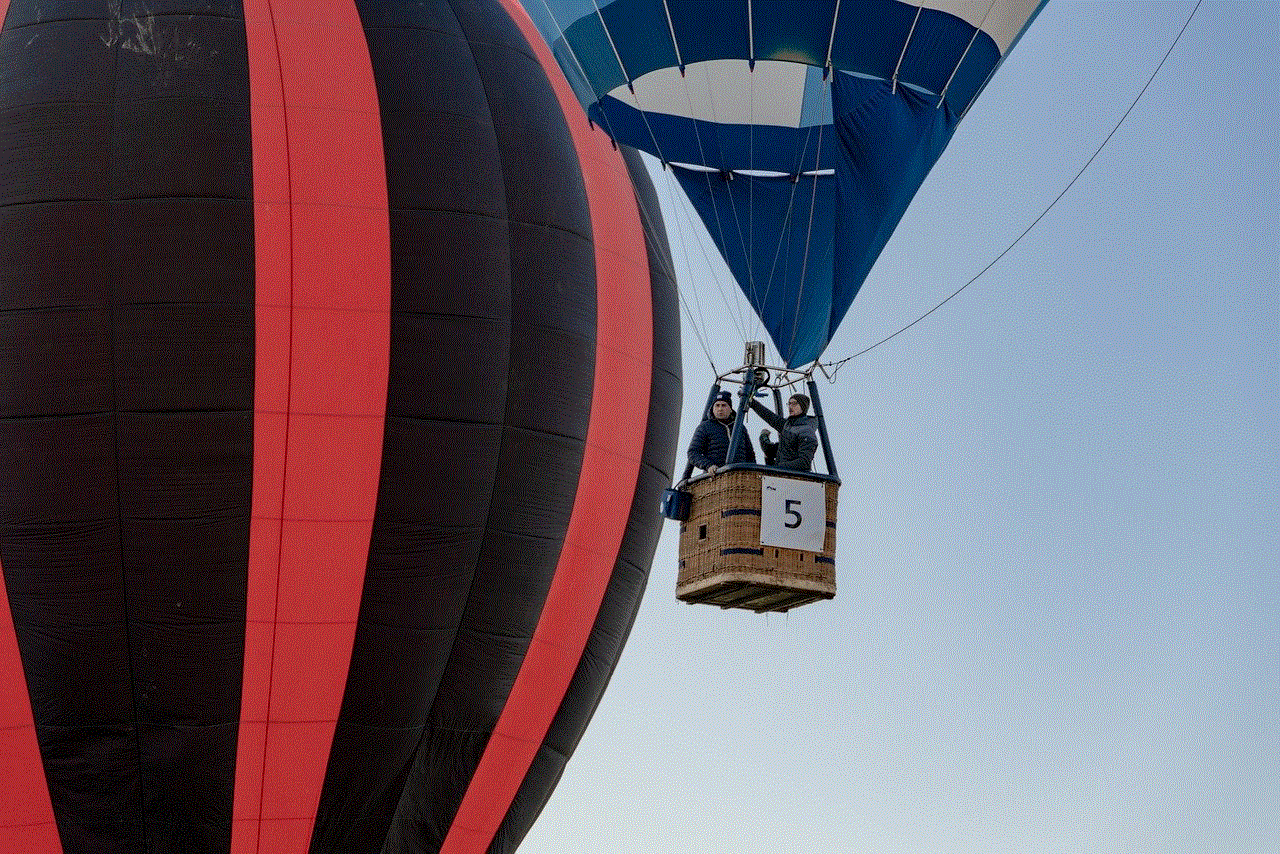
727,398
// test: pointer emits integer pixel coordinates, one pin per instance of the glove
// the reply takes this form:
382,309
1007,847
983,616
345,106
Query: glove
765,437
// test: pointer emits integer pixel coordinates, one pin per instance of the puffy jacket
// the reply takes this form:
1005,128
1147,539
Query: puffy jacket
710,444
797,438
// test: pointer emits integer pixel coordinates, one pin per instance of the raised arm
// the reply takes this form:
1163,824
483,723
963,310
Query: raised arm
771,418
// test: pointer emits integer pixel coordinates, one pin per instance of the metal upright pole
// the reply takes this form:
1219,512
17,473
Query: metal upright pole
754,358
711,398
748,394
822,429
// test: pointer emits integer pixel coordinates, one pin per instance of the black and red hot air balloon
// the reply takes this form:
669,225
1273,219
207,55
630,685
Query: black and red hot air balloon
338,377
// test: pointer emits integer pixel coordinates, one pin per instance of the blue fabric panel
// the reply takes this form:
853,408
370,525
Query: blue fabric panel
725,38
588,44
889,142
793,30
935,49
978,65
640,34
562,14
871,41
626,125
762,228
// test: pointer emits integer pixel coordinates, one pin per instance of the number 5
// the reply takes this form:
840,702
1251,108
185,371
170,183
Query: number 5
791,512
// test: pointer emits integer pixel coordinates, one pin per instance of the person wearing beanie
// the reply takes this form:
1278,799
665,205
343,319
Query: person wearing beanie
797,435
710,444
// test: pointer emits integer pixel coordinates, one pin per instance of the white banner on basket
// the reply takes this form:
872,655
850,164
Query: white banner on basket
793,513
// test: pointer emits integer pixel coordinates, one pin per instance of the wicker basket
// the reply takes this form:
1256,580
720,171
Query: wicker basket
722,559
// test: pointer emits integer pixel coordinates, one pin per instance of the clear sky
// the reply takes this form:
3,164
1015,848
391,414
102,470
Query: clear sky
1058,619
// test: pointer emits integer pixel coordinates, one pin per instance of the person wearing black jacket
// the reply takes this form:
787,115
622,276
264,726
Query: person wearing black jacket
710,444
797,435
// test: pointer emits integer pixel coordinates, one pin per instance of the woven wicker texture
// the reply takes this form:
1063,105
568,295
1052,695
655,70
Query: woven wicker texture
723,563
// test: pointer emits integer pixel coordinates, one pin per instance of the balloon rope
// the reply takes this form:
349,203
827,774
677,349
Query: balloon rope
808,237
836,365
741,320
672,29
804,257
617,56
902,55
942,96
699,323
751,188
831,42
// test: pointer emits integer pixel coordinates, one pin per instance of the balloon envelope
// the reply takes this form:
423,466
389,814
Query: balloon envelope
337,389
799,130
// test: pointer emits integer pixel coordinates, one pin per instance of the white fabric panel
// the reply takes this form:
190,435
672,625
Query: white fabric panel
793,513
723,90
1003,20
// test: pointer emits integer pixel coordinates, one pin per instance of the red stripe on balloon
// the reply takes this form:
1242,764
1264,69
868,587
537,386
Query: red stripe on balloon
610,470
322,339
29,825
28,812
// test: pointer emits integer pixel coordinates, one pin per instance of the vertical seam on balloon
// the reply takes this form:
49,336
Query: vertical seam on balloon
113,16
288,412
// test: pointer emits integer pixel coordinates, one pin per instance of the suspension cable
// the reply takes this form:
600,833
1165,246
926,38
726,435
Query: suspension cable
671,28
831,42
942,96
813,203
687,229
903,54
741,320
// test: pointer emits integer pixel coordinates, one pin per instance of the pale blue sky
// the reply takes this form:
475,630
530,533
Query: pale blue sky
1058,625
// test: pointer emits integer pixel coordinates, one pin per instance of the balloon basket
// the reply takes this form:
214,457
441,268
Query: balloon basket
730,551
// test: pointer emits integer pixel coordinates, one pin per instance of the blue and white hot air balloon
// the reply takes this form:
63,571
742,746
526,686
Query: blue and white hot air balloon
799,129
